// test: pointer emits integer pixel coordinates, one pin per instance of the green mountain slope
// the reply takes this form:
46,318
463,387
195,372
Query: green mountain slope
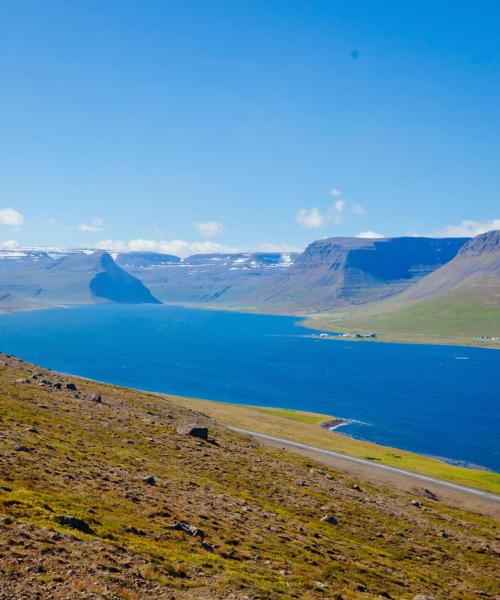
457,303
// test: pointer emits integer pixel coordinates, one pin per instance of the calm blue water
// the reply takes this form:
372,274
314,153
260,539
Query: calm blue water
421,398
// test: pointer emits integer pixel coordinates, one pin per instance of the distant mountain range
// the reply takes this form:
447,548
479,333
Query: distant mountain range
379,277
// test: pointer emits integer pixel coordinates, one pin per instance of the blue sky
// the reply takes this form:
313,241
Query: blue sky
192,126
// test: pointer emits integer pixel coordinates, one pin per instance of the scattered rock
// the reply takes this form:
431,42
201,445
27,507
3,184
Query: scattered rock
96,398
443,534
134,530
58,386
429,494
329,519
32,430
423,597
416,503
75,523
207,547
23,449
150,480
186,527
357,487
71,386
194,430
22,381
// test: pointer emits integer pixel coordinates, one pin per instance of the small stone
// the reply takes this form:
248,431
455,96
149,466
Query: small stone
207,547
58,386
357,488
134,530
423,597
150,480
329,519
71,386
186,527
32,430
96,398
416,504
22,381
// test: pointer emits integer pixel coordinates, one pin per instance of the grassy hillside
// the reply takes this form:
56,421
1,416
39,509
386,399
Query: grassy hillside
455,317
65,455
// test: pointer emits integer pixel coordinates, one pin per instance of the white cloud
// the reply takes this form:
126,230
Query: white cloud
176,247
339,206
209,229
357,209
9,216
95,225
270,247
335,192
370,235
51,221
311,218
467,228
8,245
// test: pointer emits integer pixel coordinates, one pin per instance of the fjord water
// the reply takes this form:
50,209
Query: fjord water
436,400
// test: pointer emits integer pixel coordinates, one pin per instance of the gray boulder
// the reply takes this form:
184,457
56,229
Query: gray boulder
193,430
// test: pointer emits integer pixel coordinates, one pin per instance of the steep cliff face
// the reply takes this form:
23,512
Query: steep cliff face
52,277
115,284
337,272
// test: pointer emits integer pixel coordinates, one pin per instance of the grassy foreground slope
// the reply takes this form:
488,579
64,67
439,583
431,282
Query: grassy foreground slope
66,456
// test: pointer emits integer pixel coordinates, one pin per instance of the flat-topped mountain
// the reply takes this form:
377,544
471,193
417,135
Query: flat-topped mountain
340,271
52,277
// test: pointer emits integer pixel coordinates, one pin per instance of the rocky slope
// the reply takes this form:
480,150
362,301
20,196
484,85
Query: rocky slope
104,495
51,277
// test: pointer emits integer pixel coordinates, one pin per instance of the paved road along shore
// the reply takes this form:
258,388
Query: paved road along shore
448,492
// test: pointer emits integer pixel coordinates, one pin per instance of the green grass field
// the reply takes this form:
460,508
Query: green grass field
449,319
